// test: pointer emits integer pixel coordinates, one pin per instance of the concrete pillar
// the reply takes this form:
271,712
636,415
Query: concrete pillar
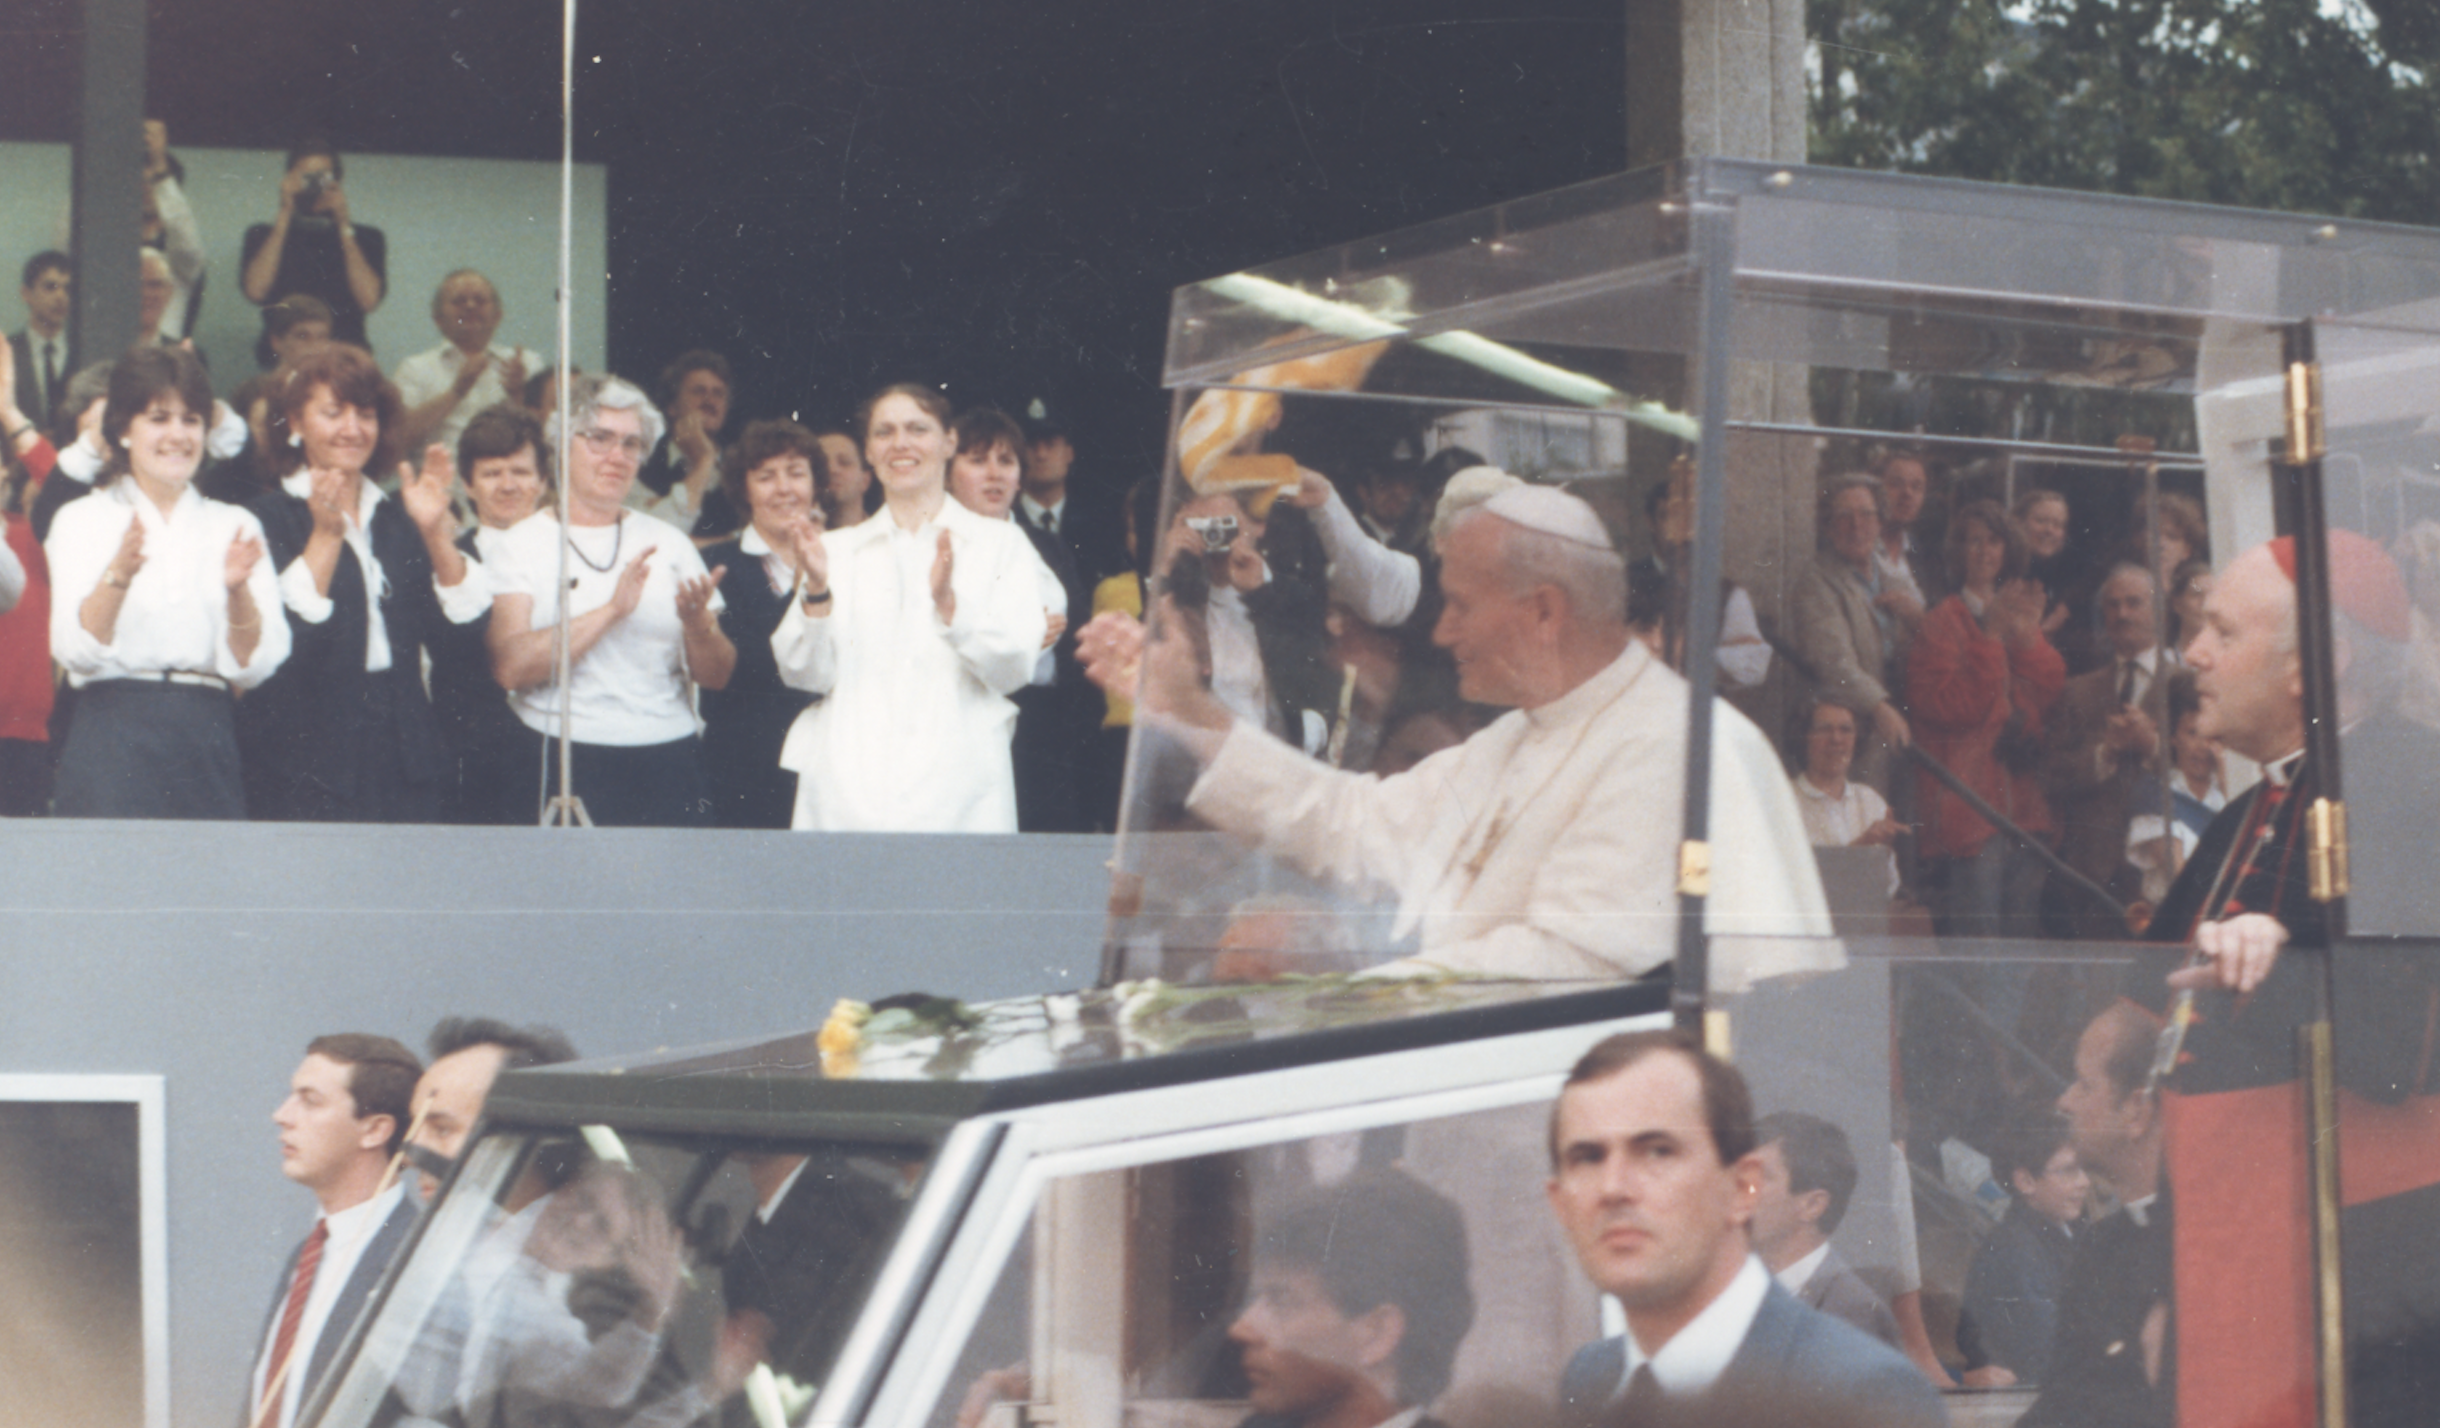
1726,79
108,175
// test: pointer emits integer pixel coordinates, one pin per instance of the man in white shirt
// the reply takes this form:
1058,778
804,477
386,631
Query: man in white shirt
442,389
1654,1176
1532,849
344,1119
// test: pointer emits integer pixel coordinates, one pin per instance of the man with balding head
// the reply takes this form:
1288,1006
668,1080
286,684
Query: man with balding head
2107,747
442,389
2250,943
1547,844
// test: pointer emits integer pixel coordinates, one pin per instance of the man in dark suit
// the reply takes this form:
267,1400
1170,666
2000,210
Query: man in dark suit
468,1054
1808,1176
2108,746
343,1121
1653,1176
1358,1302
1055,720
45,361
2112,1356
2245,933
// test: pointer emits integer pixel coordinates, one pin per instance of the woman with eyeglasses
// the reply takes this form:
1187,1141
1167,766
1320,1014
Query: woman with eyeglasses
344,732
915,627
643,622
162,607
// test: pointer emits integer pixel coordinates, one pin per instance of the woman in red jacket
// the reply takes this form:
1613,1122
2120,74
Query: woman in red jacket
1980,677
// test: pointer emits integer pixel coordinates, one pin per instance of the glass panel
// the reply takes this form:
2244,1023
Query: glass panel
2380,386
1255,1281
640,1278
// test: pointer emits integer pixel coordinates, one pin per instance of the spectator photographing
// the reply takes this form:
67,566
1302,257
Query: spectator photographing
313,245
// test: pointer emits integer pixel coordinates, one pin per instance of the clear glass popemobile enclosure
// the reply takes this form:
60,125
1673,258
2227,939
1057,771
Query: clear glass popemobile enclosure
1052,1210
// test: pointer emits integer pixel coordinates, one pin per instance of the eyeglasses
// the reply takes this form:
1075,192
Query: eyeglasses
604,441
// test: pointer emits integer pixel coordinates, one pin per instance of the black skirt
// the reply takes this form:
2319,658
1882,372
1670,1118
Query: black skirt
143,748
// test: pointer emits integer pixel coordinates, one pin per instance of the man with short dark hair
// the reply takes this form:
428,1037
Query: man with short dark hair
45,360
680,480
2011,1311
344,1119
468,1054
1808,1176
1358,1302
1653,1176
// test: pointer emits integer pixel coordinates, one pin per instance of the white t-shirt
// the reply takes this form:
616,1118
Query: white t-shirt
630,689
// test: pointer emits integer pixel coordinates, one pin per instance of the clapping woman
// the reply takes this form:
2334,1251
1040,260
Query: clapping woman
769,478
162,607
916,626
344,732
643,621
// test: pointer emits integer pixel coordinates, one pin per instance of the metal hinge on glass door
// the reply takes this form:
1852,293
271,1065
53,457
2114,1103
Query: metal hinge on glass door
2306,440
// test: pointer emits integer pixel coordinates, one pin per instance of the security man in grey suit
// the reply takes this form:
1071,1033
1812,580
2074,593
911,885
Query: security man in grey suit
341,1126
1808,1176
1654,1176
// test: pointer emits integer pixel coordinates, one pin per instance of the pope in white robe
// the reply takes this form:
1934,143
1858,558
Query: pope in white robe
1548,844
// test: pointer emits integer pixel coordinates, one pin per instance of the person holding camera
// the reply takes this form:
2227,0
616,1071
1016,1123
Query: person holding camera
915,626
313,246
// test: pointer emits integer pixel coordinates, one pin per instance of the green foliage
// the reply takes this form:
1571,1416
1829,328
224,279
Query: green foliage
2256,103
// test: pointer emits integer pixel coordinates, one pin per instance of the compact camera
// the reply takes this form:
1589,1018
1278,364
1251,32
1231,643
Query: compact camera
320,182
1218,532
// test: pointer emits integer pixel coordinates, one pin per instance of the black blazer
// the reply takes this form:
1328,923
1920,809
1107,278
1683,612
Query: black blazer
294,730
378,1252
472,708
745,723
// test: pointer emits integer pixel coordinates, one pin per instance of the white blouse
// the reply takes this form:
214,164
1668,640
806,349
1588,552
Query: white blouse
913,736
176,612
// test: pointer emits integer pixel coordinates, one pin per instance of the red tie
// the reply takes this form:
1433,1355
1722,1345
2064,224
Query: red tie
309,1259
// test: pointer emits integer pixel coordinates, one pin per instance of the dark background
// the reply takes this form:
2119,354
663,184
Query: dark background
994,196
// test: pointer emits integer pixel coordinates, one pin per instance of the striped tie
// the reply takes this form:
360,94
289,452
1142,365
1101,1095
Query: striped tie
309,1259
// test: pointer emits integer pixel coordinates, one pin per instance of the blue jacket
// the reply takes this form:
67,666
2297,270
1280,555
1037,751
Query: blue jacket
1796,1366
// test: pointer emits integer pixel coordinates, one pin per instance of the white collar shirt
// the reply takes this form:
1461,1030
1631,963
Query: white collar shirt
349,1231
1050,518
427,375
175,615
313,606
1796,1276
1695,1357
777,568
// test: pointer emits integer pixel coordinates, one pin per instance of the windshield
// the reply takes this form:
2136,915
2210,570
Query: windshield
638,1279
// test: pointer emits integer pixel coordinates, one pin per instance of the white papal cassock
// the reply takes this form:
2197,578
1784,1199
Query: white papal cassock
1547,844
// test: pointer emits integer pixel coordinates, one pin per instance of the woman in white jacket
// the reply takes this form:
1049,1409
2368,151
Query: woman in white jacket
915,627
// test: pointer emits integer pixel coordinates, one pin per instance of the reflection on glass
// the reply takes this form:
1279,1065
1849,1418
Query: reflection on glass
648,1280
